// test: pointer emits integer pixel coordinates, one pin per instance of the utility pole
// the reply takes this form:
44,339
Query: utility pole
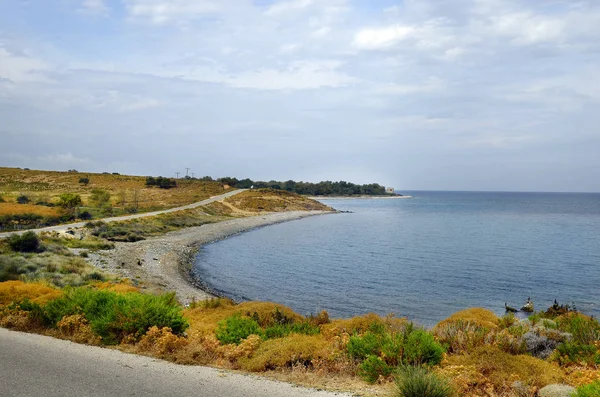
177,173
192,175
186,171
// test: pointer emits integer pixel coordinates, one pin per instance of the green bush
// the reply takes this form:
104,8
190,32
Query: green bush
591,390
114,316
26,242
421,348
576,353
585,330
372,368
419,382
235,328
282,330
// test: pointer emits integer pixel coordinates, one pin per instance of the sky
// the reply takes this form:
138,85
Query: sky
415,94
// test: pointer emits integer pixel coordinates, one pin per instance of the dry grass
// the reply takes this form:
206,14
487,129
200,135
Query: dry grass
286,353
269,200
488,371
16,291
48,185
19,209
205,320
476,315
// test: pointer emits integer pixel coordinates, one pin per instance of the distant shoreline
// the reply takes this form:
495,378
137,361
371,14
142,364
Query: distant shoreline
355,197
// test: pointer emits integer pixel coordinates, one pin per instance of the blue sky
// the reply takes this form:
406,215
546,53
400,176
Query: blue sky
418,94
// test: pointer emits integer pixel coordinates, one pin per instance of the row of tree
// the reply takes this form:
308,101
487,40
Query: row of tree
161,182
325,188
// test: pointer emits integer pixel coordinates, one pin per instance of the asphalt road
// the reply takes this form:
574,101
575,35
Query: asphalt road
60,228
35,365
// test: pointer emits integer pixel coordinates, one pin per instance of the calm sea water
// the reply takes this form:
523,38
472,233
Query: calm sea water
424,257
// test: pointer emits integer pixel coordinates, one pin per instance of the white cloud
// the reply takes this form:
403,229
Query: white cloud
21,68
433,84
381,38
96,7
528,28
300,75
164,11
287,6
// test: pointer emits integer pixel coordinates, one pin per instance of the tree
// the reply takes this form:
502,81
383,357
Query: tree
99,197
69,201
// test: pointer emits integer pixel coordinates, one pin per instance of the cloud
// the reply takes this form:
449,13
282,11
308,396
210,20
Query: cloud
20,68
432,84
382,38
165,11
61,159
94,7
288,6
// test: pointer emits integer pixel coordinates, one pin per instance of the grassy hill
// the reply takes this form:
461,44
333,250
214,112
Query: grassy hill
125,190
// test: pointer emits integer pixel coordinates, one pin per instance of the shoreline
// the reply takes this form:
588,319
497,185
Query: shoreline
317,198
163,263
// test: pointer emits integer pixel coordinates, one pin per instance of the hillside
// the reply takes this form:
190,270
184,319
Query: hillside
31,197
256,201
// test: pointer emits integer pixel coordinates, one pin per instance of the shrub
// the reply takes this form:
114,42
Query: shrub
421,348
419,382
85,216
84,180
591,390
373,368
23,199
568,353
114,316
26,242
585,330
235,328
286,353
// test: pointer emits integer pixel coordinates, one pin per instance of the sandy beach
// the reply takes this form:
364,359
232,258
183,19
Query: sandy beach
163,263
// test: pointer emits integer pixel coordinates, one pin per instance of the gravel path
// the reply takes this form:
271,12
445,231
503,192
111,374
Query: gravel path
163,263
36,365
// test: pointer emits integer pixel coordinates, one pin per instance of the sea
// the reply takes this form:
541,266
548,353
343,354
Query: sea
424,257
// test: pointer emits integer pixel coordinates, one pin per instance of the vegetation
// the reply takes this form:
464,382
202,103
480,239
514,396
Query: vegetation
26,242
40,191
591,390
325,188
163,183
270,200
420,382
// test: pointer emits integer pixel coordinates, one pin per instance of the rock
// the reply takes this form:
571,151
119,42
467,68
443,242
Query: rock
528,306
556,391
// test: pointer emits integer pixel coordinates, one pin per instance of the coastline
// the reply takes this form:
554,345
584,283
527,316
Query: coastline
317,198
163,263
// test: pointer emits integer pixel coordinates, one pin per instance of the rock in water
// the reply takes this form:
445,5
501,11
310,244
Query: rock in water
528,306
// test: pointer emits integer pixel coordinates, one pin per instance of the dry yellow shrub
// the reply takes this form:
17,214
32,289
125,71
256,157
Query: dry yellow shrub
286,352
16,291
205,320
582,376
489,367
161,342
246,348
121,287
476,315
19,320
77,329
360,324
